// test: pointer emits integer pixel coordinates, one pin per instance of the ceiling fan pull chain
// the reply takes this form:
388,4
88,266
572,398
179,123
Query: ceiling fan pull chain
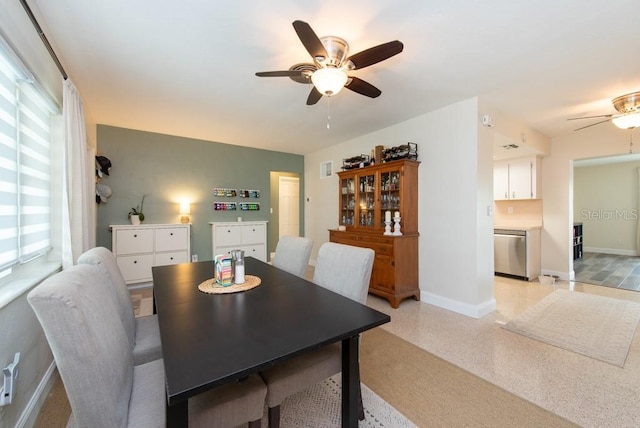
631,140
328,112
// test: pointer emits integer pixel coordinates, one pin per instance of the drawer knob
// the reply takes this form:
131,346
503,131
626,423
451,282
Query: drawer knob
171,234
171,258
135,261
135,236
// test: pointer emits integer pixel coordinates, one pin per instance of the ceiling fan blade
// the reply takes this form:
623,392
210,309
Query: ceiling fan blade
362,87
314,96
309,39
376,54
590,117
283,73
593,124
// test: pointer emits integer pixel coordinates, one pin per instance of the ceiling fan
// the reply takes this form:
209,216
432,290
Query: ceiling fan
628,107
331,65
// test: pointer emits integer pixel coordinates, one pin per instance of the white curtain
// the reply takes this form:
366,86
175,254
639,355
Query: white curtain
78,218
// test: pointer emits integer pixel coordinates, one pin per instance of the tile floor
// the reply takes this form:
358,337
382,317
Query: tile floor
610,270
588,392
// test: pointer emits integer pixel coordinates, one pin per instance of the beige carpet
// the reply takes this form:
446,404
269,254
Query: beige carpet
595,326
432,392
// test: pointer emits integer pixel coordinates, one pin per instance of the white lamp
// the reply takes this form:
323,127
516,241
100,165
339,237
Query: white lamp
627,121
329,80
185,210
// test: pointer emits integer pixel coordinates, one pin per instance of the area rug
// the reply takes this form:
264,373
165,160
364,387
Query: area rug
142,306
432,392
320,407
598,327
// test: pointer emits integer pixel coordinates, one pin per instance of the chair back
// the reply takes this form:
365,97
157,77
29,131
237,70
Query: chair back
89,344
292,254
106,262
344,269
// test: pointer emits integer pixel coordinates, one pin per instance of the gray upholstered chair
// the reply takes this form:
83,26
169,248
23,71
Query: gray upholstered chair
292,254
95,361
343,269
143,333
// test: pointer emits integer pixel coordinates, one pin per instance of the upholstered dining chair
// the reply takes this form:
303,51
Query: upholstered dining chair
95,362
143,333
343,269
292,254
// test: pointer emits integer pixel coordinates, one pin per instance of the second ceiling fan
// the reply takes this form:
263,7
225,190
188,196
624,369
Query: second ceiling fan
331,64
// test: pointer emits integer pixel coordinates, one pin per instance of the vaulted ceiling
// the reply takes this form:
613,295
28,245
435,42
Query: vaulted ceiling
188,67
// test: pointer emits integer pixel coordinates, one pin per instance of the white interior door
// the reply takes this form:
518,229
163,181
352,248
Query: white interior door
289,206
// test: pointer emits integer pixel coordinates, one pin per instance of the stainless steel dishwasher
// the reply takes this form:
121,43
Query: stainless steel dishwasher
510,252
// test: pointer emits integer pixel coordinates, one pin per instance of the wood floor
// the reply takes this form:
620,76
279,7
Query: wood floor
610,270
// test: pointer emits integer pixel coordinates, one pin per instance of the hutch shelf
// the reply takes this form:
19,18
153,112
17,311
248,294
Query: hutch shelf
364,195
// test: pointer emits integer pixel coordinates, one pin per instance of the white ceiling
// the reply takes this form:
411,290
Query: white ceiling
188,67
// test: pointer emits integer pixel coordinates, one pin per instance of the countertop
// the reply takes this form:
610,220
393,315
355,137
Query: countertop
525,228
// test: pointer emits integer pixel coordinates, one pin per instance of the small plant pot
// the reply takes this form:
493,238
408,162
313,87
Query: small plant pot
135,219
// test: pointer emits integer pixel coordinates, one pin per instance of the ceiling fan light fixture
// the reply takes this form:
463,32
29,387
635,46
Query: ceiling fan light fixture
627,121
329,81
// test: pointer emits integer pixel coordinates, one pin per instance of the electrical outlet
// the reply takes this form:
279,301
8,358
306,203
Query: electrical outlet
8,390
194,257
509,210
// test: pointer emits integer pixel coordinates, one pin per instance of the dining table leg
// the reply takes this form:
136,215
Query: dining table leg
178,415
350,381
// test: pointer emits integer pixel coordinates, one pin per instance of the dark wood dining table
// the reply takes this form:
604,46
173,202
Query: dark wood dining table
212,339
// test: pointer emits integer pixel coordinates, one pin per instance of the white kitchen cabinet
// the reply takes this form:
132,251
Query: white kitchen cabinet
500,180
138,248
251,237
516,179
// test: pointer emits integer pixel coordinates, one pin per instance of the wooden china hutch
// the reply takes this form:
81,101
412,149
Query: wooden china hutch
365,194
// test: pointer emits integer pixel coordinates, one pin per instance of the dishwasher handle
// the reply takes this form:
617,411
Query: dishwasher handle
509,236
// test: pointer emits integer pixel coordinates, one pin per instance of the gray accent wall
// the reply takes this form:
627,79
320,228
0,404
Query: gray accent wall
172,169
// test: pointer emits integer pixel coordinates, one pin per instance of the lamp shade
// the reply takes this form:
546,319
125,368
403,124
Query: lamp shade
627,121
329,80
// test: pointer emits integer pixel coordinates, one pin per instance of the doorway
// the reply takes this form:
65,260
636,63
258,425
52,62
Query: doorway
288,206
605,202
286,215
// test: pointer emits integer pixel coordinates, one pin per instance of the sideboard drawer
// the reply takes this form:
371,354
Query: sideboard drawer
134,241
225,236
172,258
253,234
135,268
172,239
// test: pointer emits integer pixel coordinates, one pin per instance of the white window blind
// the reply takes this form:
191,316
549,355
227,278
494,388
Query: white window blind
25,169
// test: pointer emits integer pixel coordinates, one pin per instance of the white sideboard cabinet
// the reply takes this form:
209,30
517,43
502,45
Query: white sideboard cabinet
249,236
139,248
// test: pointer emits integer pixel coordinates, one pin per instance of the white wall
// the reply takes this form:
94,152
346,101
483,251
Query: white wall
456,187
557,189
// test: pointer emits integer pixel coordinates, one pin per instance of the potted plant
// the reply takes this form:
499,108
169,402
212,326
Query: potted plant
136,215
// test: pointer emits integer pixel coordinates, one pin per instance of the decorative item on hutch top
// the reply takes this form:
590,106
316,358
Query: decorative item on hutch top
370,200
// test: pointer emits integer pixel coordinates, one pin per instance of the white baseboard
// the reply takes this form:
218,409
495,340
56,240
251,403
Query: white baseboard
477,311
566,276
30,413
140,285
617,251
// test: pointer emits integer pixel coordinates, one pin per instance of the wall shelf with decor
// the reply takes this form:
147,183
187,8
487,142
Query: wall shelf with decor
364,196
